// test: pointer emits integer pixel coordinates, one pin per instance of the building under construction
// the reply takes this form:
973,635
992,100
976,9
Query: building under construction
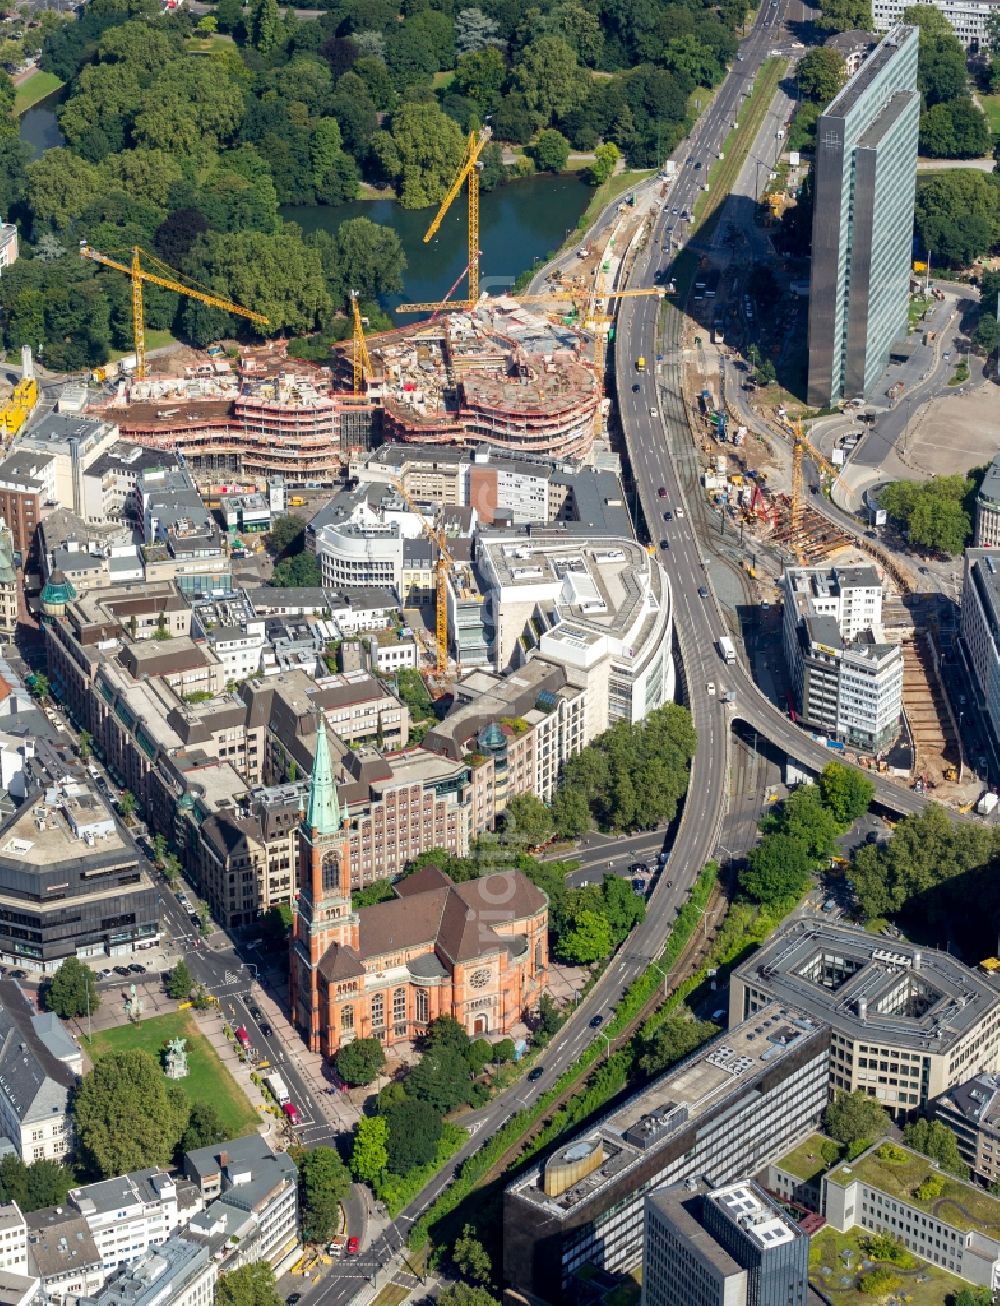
274,416
497,373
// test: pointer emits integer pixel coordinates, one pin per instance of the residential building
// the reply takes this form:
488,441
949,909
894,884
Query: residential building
907,1023
980,637
520,727
969,19
732,1246
249,1178
63,1255
854,47
9,585
232,630
476,951
72,882
865,176
600,608
13,1239
848,682
73,443
971,1110
131,1214
987,534
867,1194
27,486
718,1115
179,1272
181,536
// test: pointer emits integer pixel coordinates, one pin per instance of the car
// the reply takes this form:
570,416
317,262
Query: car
637,868
255,1011
596,1021
670,884
105,974
668,515
661,493
710,689
673,213
121,970
266,1029
924,571
291,1112
654,412
536,1072
697,165
353,1246
19,974
680,513
947,355
294,1299
636,388
871,836
664,544
702,592
136,969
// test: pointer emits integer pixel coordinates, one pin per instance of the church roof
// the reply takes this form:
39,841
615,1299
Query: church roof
323,810
340,962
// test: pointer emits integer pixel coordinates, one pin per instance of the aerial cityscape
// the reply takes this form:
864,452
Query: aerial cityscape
500,653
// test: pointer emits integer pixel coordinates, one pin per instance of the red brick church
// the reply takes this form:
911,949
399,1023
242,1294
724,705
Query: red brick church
477,951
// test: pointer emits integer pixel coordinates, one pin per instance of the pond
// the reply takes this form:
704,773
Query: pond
39,126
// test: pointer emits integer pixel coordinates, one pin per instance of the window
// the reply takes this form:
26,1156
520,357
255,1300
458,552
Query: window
399,1006
346,1018
423,1007
378,1010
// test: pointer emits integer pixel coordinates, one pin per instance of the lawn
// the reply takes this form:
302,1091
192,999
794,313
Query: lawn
207,44
724,172
923,1285
991,107
391,1295
34,88
441,81
155,339
962,1205
208,1081
805,1161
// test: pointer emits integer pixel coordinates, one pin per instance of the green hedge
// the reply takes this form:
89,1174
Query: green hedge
398,1191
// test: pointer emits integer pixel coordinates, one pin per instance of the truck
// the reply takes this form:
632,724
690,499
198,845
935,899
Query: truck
727,649
671,168
278,1087
987,804
640,363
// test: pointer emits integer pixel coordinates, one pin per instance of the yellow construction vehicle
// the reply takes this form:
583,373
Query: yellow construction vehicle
469,171
19,407
139,274
444,562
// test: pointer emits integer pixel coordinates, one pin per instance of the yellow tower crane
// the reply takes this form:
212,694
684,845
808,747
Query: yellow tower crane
139,274
548,297
444,561
361,357
469,171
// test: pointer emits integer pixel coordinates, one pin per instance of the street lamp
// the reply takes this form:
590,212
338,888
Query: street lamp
607,1039
663,974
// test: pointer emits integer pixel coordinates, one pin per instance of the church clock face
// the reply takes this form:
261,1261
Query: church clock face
479,979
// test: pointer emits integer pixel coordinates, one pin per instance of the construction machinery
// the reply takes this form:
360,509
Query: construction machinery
166,278
547,297
361,358
444,562
19,407
468,172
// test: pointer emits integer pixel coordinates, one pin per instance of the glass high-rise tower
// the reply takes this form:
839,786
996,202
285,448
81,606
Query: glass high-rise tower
864,182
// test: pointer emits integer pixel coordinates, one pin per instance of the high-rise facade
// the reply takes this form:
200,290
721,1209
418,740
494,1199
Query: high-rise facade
865,177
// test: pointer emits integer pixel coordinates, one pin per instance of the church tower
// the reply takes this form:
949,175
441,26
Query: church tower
323,914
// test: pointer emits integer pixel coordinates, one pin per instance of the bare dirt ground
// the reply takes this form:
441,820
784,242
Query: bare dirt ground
953,433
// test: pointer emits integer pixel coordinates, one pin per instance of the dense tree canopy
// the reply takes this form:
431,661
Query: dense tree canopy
957,215
251,1285
127,1115
324,1182
72,990
820,74
851,1117
361,1061
933,513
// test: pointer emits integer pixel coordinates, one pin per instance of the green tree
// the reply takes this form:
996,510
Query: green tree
441,1077
420,153
205,1128
606,158
805,817
369,1157
471,1258
550,150
463,1294
549,78
250,1285
933,513
938,1142
48,1183
229,17
845,16
72,991
821,74
84,745
851,1117
127,805
571,813
446,1032
127,1115
673,1040
587,940
846,791
777,869
480,76
987,334
527,821
180,982
361,1061
335,174
294,573
972,1297
370,259
324,1182
623,908
265,25
287,535
414,1132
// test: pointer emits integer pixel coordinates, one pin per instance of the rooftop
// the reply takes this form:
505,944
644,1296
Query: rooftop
872,68
724,1070
804,1160
67,821
60,1242
989,491
160,1277
891,992
759,1219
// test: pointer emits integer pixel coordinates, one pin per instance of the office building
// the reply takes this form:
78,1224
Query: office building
110,484
848,682
864,182
600,608
980,638
886,1194
27,487
731,1246
358,538
72,443
181,537
179,1272
969,18
987,533
133,1213
971,1110
907,1023
718,1116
